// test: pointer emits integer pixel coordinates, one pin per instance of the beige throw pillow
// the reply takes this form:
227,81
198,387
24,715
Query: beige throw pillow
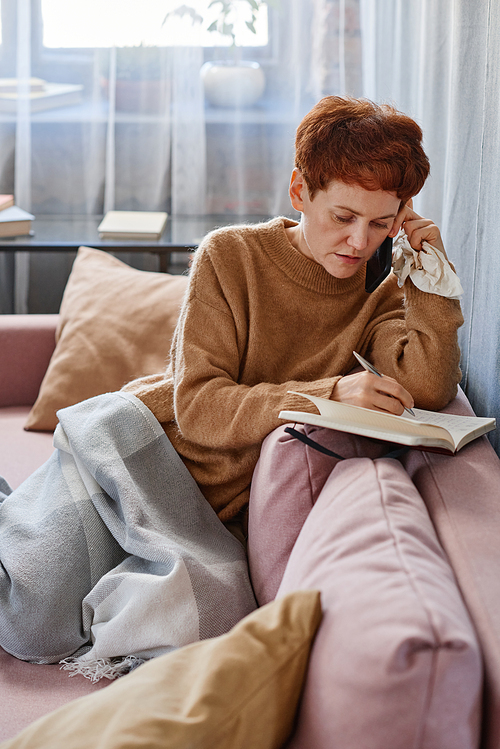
237,691
116,323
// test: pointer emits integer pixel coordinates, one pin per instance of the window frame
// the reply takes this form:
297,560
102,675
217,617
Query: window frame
43,57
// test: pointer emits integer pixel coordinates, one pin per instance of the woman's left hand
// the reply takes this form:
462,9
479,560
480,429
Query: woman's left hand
417,229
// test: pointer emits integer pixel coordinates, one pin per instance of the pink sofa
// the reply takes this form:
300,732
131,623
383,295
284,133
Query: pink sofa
27,342
462,497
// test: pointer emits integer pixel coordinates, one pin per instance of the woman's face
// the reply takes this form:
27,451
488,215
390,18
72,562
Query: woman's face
342,226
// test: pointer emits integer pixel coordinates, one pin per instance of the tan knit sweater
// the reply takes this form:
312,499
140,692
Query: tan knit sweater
260,319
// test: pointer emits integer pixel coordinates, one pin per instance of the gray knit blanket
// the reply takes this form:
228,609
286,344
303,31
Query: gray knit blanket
109,553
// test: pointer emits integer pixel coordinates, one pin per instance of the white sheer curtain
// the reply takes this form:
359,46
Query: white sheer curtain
438,60
142,136
160,147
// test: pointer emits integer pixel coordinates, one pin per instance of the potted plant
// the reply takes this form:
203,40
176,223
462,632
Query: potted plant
232,82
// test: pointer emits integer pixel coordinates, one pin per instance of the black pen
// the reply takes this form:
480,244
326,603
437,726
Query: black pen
370,368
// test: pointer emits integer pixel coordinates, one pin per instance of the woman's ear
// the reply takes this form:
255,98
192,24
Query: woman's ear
296,190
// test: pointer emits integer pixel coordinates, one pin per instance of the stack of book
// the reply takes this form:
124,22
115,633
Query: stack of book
132,225
14,222
41,94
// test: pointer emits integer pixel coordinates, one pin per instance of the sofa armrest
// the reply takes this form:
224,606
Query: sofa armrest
26,345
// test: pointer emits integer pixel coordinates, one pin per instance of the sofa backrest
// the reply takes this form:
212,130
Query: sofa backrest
26,345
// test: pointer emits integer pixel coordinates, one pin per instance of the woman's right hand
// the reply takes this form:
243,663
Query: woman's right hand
369,391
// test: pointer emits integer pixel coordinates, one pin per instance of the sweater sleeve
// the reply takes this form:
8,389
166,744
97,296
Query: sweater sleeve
213,409
417,345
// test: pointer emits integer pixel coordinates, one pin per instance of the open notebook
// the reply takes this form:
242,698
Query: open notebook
428,429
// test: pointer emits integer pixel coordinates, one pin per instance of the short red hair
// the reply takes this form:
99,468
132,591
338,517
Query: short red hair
358,141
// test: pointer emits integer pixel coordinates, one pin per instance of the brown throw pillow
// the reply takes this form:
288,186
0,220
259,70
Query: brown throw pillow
239,690
116,323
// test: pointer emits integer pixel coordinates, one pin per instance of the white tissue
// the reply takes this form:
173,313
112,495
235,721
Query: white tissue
428,268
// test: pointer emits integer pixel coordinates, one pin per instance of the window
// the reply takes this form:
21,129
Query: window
127,23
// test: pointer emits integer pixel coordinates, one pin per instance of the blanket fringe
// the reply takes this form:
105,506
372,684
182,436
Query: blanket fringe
102,668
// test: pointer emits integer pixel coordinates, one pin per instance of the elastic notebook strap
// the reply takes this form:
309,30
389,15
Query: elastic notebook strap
312,443
396,453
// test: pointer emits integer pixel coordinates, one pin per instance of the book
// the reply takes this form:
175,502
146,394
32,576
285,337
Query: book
132,225
427,430
15,222
50,96
10,85
6,201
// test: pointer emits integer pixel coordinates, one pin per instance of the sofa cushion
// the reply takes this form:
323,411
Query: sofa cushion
462,495
286,483
27,342
396,662
237,690
21,453
29,690
116,323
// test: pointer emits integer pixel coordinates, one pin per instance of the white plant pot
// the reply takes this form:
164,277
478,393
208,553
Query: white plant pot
233,84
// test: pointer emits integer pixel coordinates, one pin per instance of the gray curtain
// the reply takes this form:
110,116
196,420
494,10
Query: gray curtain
438,60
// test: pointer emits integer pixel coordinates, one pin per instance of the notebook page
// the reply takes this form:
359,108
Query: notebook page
350,415
458,426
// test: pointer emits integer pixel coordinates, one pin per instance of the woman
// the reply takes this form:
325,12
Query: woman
282,305
270,308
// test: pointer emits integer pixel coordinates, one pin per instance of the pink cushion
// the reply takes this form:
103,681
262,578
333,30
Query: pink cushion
286,483
28,691
26,345
21,452
462,495
395,662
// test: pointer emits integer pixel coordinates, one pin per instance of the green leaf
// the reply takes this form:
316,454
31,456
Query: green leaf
184,10
253,4
251,27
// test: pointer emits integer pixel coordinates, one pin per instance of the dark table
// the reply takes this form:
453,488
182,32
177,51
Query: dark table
68,233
